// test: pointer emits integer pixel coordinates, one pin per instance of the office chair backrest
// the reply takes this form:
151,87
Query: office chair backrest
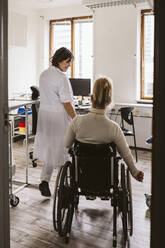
94,166
35,92
35,108
126,114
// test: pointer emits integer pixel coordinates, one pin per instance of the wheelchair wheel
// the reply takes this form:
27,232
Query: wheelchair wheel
65,202
124,203
56,199
130,206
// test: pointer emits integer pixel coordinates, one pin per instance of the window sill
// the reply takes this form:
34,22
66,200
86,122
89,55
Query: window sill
145,101
137,104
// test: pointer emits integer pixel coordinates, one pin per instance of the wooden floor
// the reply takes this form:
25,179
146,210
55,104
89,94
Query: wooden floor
31,220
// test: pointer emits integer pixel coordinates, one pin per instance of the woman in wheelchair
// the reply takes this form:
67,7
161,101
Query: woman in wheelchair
94,170
96,128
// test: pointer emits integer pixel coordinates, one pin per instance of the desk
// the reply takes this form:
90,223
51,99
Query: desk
14,105
82,109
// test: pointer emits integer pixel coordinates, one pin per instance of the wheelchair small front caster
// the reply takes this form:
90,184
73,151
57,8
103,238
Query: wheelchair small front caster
14,201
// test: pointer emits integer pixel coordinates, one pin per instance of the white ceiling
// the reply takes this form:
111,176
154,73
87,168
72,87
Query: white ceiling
40,4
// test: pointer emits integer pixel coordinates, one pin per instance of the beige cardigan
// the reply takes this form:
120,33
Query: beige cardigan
96,128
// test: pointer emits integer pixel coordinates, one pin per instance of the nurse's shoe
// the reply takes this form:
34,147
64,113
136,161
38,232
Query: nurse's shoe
44,189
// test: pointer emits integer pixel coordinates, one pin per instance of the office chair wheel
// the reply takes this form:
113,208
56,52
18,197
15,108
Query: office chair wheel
56,198
65,201
31,155
14,201
34,164
124,203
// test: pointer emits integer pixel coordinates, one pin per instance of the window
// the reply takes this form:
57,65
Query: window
77,35
147,54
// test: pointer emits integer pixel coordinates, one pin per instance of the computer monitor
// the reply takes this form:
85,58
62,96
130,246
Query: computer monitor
80,86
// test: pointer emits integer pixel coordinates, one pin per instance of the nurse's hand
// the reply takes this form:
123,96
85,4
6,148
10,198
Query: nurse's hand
69,109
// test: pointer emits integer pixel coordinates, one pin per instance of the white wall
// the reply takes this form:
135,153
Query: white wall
28,60
115,30
23,52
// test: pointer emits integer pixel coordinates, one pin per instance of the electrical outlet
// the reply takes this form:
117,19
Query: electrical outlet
137,111
147,114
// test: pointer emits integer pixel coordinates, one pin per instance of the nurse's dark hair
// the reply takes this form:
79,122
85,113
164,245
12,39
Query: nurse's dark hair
60,55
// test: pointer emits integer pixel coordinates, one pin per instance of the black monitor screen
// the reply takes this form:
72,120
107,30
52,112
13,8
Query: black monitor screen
80,86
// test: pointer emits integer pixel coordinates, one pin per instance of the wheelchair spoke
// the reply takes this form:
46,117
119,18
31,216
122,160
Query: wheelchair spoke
62,214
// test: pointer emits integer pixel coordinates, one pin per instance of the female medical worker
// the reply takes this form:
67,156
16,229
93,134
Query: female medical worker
55,113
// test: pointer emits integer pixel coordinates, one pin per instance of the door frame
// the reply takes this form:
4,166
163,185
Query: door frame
4,167
158,154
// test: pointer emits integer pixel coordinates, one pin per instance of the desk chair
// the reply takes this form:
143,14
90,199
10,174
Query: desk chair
127,117
35,108
148,196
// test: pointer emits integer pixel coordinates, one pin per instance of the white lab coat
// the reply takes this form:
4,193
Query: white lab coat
53,119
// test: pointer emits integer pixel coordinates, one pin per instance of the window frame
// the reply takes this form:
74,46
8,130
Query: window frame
72,19
142,83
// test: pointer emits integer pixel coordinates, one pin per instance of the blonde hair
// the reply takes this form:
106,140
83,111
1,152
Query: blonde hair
102,92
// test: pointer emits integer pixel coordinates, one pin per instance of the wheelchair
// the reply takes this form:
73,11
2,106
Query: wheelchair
94,171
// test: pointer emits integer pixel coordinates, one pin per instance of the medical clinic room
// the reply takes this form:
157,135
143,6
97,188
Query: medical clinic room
81,139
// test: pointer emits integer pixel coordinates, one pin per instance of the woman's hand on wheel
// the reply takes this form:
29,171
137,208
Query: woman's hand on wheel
140,176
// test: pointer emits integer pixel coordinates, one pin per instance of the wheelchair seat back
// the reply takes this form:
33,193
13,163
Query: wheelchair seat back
95,166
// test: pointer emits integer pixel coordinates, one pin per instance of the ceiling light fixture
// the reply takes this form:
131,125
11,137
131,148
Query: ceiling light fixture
93,4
